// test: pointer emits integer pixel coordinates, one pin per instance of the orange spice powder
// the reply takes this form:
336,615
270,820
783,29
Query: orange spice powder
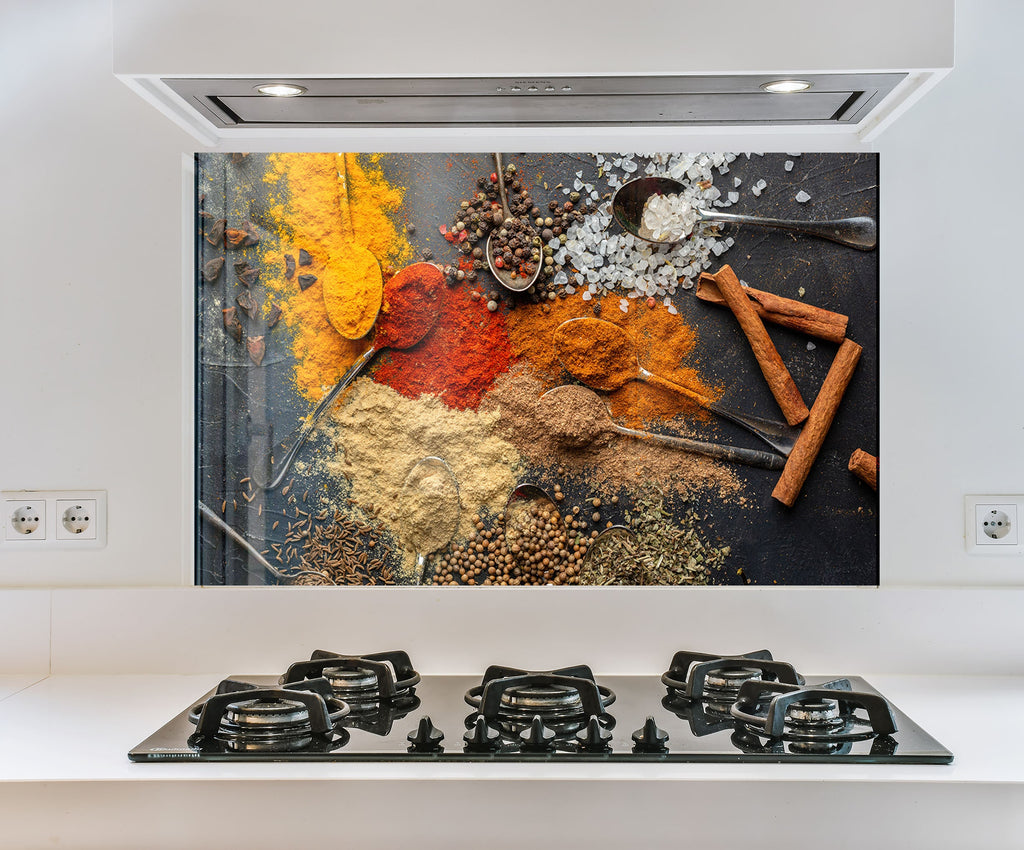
663,341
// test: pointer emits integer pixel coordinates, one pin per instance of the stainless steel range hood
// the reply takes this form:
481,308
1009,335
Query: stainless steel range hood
548,101
541,73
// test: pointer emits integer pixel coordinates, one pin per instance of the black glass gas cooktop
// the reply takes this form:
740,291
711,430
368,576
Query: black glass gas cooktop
704,708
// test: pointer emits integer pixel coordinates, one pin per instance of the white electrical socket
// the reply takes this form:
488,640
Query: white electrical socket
991,525
54,519
24,519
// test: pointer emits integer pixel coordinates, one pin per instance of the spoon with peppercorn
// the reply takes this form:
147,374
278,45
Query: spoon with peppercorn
511,244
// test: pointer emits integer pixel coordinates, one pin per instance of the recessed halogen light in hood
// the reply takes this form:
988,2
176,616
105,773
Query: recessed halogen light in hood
280,90
786,86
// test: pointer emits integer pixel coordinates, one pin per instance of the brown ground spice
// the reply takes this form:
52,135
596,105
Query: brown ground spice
665,345
609,462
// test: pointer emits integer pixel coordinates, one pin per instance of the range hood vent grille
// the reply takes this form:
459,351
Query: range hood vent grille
556,101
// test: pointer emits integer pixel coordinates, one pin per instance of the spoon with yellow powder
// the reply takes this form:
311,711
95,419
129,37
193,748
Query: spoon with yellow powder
603,356
352,284
408,313
428,510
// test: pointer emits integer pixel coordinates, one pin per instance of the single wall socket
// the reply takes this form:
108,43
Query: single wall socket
991,525
25,519
54,519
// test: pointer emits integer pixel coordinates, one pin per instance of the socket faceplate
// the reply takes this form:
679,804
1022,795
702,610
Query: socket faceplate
991,525
49,519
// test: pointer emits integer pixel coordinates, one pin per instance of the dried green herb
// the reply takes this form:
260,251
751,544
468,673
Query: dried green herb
664,552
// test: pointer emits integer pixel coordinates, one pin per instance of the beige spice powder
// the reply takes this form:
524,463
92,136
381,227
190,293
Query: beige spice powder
379,436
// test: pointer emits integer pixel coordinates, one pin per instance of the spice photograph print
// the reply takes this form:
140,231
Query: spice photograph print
536,368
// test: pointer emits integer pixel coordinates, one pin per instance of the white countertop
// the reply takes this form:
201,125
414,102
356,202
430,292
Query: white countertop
102,717
64,741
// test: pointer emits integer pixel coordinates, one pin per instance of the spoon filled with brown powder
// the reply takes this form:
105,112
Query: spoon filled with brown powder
577,417
428,510
604,356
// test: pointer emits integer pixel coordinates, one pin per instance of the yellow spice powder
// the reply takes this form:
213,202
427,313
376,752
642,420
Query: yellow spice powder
306,207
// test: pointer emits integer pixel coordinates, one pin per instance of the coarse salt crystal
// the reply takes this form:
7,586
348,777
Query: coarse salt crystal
811,346
802,197
789,165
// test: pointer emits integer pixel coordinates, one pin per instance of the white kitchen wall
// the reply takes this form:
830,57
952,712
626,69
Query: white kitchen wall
92,341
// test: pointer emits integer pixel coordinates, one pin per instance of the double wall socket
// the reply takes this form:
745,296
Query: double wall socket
992,525
54,519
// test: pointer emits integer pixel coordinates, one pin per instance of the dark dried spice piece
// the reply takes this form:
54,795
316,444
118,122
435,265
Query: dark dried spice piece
215,232
231,323
304,258
238,157
257,349
289,266
240,266
247,303
273,316
234,237
249,276
212,269
306,280
205,216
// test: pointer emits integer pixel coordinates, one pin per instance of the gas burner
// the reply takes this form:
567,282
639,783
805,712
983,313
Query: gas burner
816,719
243,717
366,682
717,679
563,699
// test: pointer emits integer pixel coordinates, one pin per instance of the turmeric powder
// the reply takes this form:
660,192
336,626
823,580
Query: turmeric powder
307,213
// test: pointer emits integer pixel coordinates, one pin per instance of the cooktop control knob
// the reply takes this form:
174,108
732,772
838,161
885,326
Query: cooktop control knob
650,739
538,738
481,738
427,737
594,738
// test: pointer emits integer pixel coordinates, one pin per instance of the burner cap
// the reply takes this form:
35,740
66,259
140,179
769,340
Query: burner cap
266,714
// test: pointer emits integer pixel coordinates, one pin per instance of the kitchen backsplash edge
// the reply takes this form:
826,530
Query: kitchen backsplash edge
961,631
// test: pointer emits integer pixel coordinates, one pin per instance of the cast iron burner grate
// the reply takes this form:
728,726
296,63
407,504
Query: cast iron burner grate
815,719
510,700
243,717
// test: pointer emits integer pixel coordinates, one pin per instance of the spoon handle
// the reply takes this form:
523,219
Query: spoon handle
860,232
256,473
778,435
241,541
500,171
751,457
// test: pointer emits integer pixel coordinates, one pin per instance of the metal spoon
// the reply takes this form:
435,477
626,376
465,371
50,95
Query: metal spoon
212,517
613,532
569,338
504,276
526,492
354,249
751,457
261,474
414,480
629,200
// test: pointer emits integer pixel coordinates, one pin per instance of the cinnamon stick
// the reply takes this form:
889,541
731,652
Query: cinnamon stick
780,382
823,411
865,467
786,312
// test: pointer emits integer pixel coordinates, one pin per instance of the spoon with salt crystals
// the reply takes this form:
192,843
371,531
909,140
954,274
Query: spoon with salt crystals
630,200
432,480
512,280
751,457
